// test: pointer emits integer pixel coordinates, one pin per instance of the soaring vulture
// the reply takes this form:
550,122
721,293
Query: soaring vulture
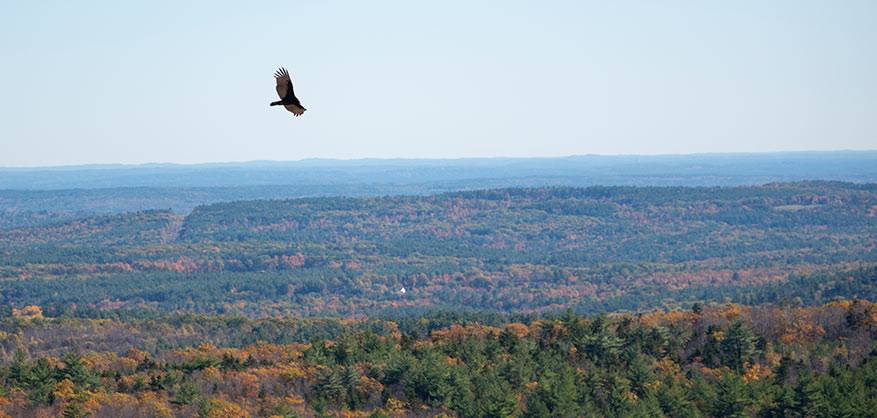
287,96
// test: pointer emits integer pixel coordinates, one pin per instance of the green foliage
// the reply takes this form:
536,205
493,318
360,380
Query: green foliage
731,397
186,393
738,346
455,342
598,249
730,361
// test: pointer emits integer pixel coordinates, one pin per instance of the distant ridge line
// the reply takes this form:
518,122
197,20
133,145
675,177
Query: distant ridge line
391,160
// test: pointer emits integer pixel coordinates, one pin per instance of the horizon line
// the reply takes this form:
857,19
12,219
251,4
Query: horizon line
425,159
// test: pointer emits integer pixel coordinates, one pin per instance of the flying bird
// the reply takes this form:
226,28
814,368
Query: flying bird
287,96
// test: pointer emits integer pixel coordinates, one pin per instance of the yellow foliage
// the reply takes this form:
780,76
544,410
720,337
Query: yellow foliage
116,400
558,329
517,329
755,372
136,355
220,408
456,332
212,374
773,358
787,338
128,381
395,405
64,390
157,406
658,317
92,403
715,373
28,312
124,364
291,372
368,385
4,402
653,385
843,304
667,366
732,311
55,362
206,347
535,328
248,384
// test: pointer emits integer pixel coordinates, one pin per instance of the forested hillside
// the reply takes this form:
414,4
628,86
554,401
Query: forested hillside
592,302
506,250
34,196
720,361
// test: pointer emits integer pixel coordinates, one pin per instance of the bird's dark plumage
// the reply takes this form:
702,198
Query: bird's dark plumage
287,95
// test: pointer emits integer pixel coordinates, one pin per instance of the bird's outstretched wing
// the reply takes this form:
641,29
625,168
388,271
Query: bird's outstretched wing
284,84
286,93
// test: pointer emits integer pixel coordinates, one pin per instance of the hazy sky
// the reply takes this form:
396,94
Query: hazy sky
156,81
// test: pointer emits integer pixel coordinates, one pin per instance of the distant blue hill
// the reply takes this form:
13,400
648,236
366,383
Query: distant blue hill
34,196
454,174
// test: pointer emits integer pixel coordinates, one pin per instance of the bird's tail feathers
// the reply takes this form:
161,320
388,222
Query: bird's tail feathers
277,103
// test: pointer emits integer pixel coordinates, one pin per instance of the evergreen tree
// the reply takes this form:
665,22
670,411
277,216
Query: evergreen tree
738,346
732,397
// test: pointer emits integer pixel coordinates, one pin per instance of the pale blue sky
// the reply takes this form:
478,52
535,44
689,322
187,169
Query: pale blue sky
134,82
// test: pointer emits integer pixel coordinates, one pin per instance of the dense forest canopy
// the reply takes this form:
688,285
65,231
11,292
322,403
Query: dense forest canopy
506,250
549,301
712,360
